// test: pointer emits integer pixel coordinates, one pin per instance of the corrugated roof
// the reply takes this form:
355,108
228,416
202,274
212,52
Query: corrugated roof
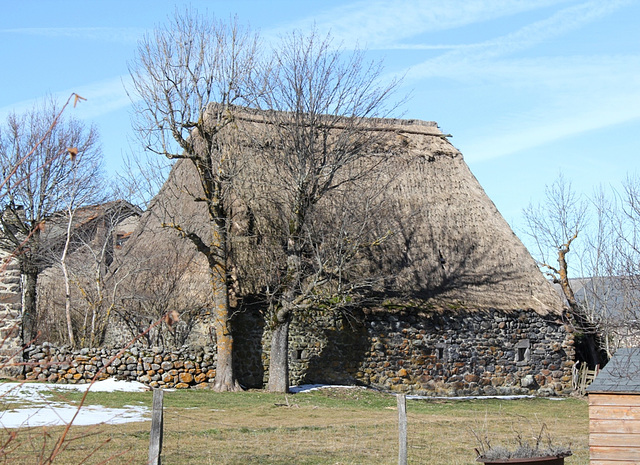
620,375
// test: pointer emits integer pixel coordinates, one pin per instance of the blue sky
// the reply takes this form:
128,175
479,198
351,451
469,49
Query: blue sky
526,88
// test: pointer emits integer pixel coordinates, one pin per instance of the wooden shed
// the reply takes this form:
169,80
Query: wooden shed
614,411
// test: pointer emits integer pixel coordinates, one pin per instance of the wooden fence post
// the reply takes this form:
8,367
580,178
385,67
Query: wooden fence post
402,429
155,438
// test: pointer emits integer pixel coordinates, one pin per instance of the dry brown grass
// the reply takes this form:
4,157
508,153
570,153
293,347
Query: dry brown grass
318,428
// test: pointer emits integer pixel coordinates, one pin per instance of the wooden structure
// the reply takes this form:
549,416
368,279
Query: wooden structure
614,411
582,377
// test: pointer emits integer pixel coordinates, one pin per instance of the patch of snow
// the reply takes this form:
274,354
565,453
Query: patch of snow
515,397
42,411
58,414
315,387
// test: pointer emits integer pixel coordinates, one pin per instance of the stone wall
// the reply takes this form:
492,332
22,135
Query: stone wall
429,353
180,368
437,353
10,313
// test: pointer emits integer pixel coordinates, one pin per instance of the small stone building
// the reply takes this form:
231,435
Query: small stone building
614,411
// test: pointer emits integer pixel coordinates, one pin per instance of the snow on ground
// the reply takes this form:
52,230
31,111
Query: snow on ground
315,387
43,411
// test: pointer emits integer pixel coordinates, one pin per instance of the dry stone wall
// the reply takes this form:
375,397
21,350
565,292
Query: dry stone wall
449,353
178,368
10,313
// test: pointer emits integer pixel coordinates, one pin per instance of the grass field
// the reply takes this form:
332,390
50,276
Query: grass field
330,426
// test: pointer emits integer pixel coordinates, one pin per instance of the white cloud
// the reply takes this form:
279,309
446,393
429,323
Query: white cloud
384,23
102,97
585,99
108,34
546,98
465,61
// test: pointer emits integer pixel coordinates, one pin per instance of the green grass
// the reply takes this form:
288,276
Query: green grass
327,427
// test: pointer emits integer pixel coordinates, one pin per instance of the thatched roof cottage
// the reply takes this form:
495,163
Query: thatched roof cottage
462,308
466,308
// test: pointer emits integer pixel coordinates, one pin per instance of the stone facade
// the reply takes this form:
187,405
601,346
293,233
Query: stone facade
456,352
450,353
10,314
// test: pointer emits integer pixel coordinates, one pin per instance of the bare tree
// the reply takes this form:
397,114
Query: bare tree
156,288
554,226
43,156
141,177
187,78
97,245
80,193
616,245
320,150
90,244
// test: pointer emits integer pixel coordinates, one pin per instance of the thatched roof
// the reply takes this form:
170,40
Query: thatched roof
450,245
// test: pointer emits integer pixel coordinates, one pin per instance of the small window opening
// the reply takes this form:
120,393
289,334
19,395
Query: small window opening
298,354
521,354
522,351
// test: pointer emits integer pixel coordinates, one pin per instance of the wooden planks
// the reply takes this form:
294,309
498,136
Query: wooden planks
615,453
608,439
614,429
629,400
612,462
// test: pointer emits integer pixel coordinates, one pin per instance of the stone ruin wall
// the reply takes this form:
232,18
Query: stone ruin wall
10,313
455,353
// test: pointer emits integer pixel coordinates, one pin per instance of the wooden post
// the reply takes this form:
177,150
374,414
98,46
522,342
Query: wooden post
402,429
155,438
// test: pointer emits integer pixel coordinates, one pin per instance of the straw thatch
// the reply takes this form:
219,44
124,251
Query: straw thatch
448,245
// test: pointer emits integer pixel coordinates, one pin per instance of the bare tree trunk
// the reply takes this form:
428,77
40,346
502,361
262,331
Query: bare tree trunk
67,288
225,376
29,308
577,313
67,303
564,276
279,356
99,283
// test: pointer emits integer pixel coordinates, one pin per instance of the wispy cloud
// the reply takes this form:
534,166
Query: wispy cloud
550,97
384,25
108,34
473,57
571,96
102,97
545,124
